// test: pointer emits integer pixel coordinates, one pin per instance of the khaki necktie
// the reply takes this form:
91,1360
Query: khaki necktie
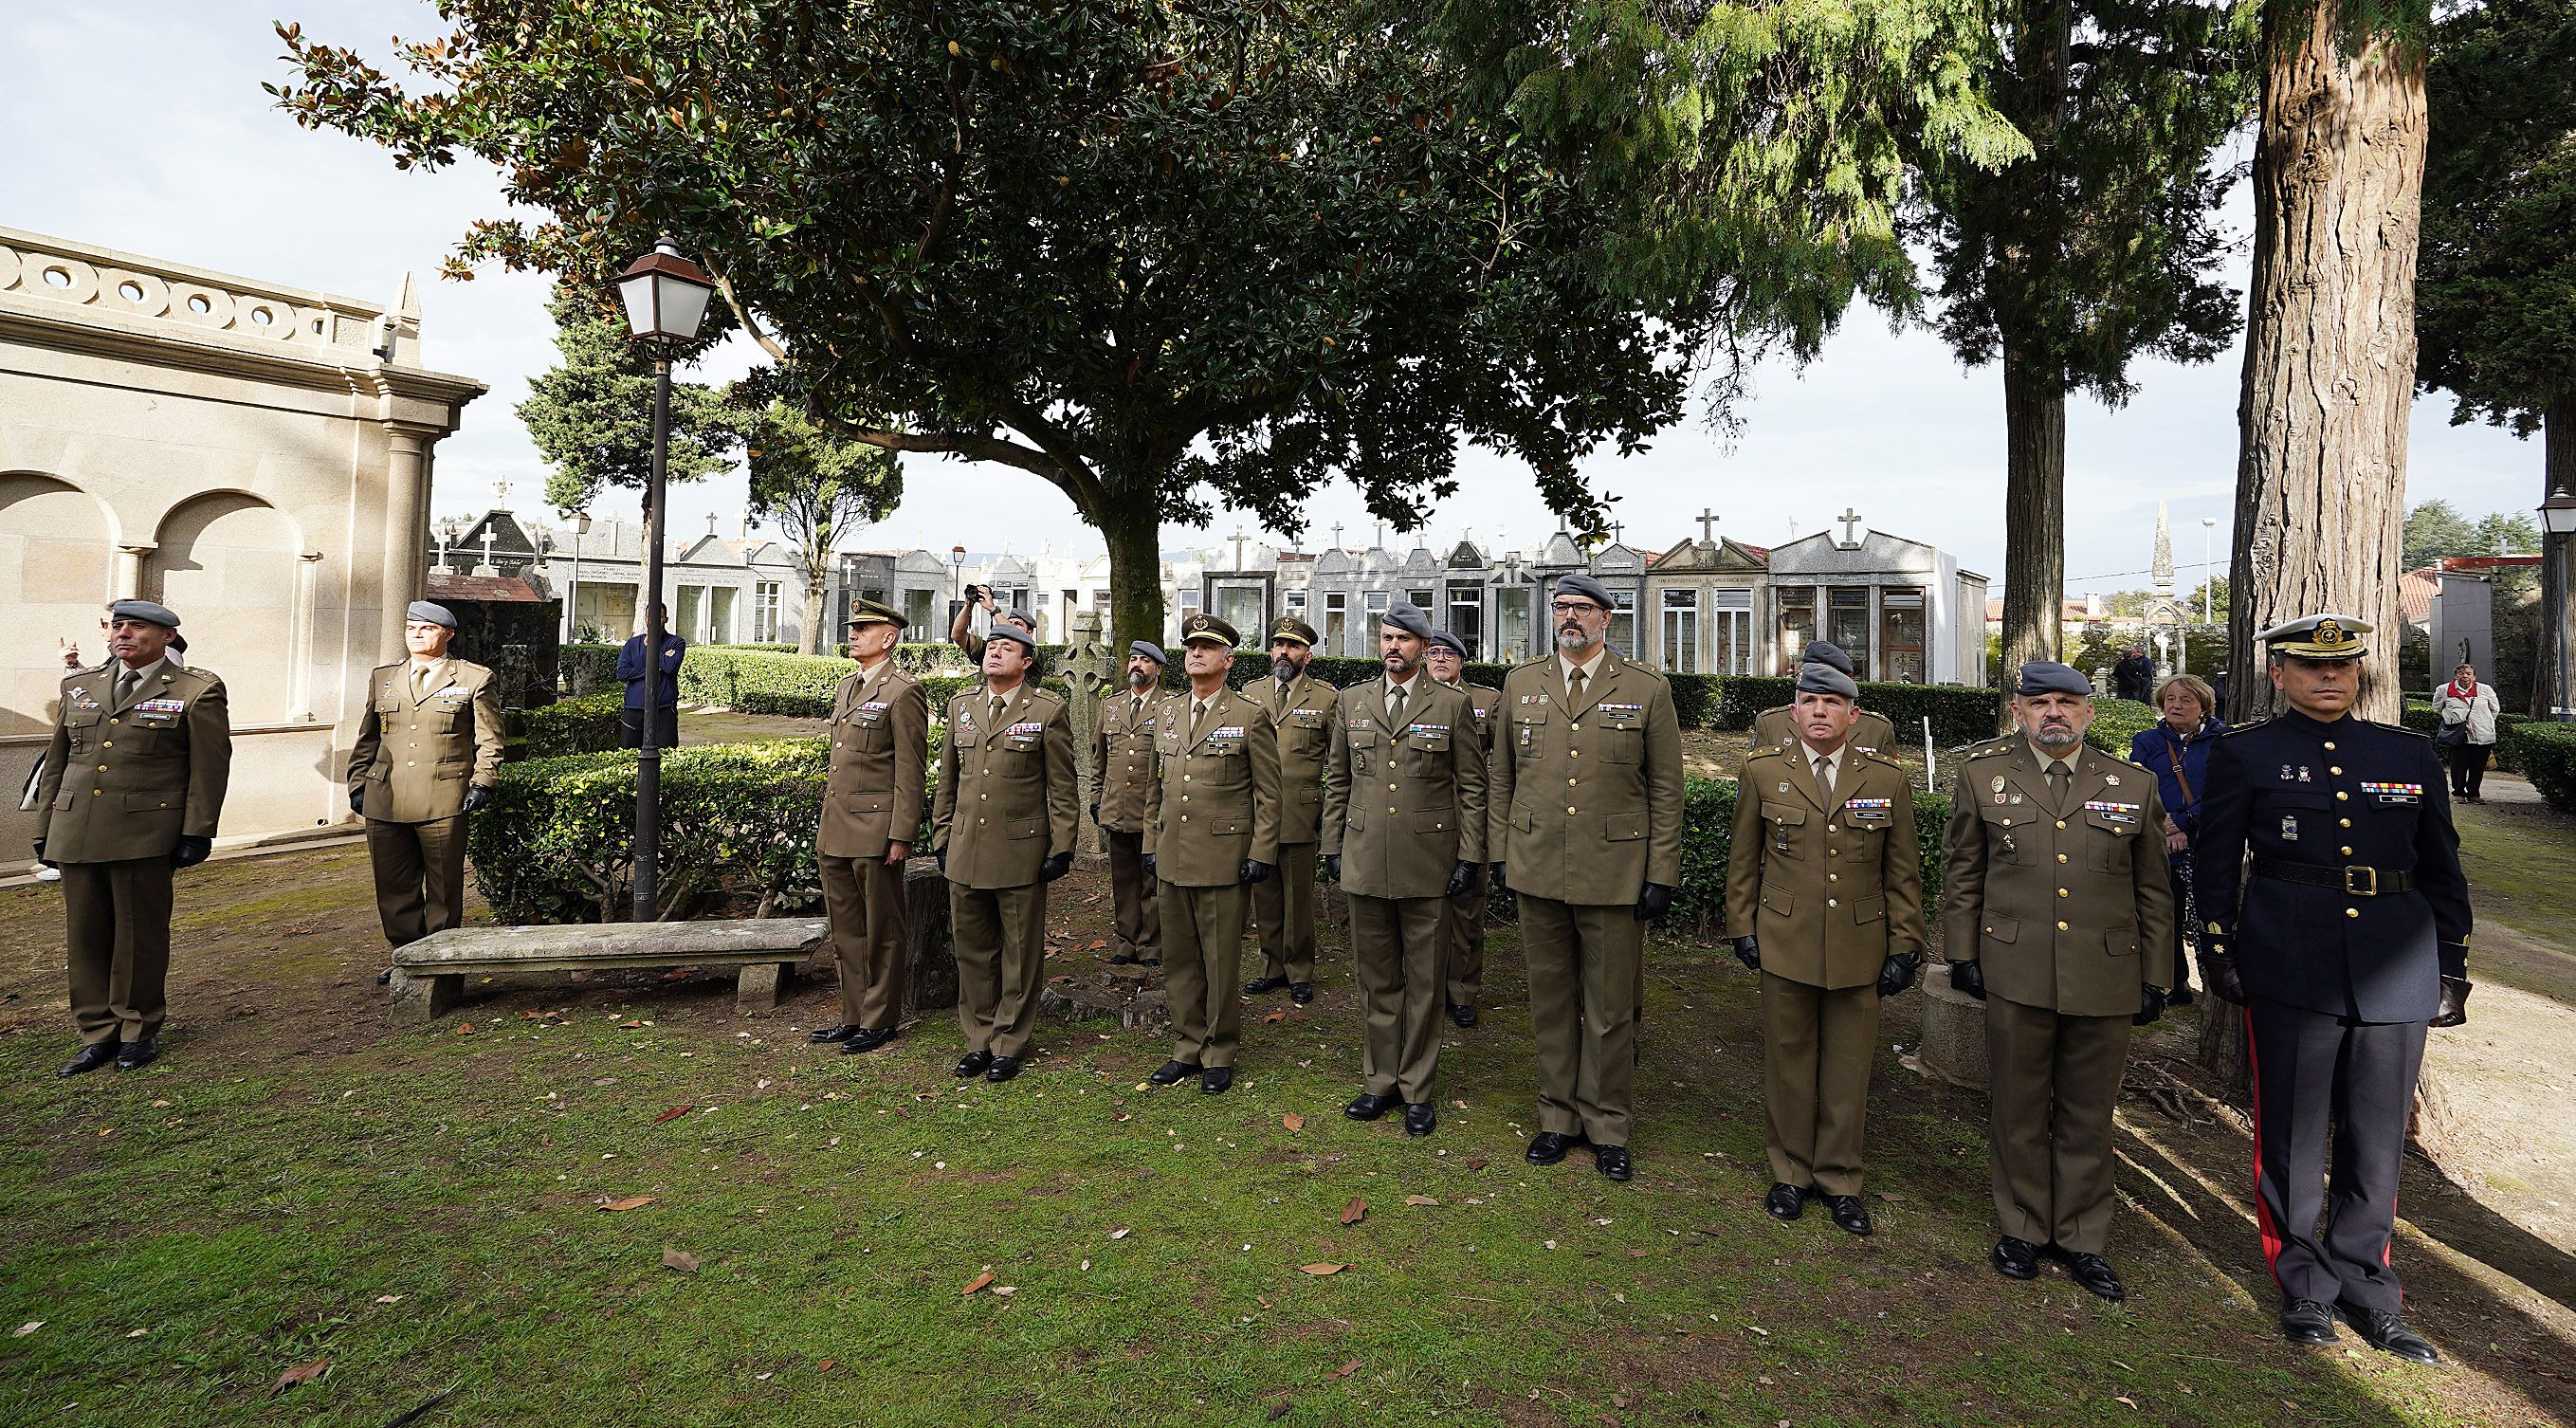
125,684
1825,775
1198,716
2058,777
1395,707
419,683
1574,686
994,716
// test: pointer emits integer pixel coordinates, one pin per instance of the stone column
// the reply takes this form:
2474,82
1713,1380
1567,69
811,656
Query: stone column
129,570
1086,669
406,532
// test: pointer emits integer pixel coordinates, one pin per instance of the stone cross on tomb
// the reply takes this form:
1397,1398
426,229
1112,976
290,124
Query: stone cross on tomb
500,495
1238,546
1337,535
1707,524
1849,518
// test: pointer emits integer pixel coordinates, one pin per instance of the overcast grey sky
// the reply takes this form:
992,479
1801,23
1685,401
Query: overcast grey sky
140,124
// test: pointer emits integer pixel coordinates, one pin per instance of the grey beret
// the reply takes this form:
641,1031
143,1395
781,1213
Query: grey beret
1587,587
1149,650
1404,616
1022,616
1821,678
1827,652
423,612
1443,640
1003,630
2042,676
144,610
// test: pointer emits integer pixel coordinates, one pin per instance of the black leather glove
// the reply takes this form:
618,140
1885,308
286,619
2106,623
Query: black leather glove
1897,972
939,859
1652,902
191,852
2151,1005
1095,815
1968,979
1499,884
2455,1002
477,796
1462,880
1332,867
358,800
2218,973
1056,866
1149,865
1254,870
40,853
1748,950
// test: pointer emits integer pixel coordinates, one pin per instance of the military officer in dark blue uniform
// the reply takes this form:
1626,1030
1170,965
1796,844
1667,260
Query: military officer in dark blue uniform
2344,934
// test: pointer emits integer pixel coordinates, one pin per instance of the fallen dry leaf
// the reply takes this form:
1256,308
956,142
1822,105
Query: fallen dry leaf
825,1366
673,1114
1355,1211
465,1028
1320,1269
1293,1121
389,1299
2124,1398
1478,1163
1346,1370
631,1202
1096,944
978,1282
1120,1233
301,1373
681,1260
1277,1411
27,1328
629,1025
1636,1254
1006,1289
1274,1018
1420,1200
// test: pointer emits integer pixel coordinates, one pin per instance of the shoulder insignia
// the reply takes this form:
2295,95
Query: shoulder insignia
2245,728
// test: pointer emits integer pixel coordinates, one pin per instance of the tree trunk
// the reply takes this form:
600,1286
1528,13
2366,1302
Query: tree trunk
1135,539
2034,511
2329,360
809,639
2557,628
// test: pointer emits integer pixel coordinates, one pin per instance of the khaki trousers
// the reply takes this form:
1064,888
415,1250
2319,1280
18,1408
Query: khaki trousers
1202,950
1284,906
1001,956
1467,947
1583,978
420,876
117,944
1138,911
863,900
2053,1081
1818,1049
1398,948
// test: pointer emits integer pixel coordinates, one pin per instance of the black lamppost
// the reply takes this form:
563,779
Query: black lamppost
572,598
666,299
2558,521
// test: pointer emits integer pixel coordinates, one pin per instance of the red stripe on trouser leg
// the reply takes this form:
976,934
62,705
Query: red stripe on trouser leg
2262,1212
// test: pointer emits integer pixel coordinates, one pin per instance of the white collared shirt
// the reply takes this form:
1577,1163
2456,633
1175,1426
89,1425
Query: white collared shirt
1565,668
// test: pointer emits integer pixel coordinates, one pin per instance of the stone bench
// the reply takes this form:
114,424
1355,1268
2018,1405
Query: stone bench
429,975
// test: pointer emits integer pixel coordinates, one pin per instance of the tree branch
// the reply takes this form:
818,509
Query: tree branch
975,446
750,324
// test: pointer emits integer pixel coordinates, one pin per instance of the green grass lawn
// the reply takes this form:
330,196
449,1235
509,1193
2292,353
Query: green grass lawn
420,1208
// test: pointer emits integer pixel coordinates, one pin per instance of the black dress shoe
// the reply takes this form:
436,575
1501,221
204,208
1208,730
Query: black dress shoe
2015,1259
1850,1215
1369,1106
1259,985
1612,1161
2092,1271
868,1039
842,1032
1462,1013
1785,1202
1548,1147
1420,1117
385,978
1124,959
1172,1073
1002,1069
973,1064
1301,992
2181,997
1216,1080
135,1055
2386,1331
2306,1321
90,1058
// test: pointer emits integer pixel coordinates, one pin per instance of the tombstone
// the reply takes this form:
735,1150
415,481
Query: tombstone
1086,669
929,956
1954,1033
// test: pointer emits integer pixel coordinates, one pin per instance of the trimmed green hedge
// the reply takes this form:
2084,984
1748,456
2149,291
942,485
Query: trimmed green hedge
2116,722
2545,753
586,725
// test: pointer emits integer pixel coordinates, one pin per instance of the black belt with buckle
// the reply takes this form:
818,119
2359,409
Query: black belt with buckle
2356,881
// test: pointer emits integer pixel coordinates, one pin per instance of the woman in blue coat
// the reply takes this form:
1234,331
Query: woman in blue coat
2176,751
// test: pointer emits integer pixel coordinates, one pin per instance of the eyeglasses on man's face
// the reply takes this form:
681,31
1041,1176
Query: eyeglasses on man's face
1563,608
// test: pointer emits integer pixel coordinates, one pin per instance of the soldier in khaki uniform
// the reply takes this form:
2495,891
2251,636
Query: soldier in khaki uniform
1824,893
1400,869
2058,914
1003,828
1122,762
1584,823
133,787
1297,709
1447,661
1777,727
1211,830
872,798
427,754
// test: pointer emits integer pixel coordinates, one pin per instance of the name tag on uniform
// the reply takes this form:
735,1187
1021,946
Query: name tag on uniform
1426,729
872,706
1868,808
2114,812
1608,708
2396,792
161,706
1310,713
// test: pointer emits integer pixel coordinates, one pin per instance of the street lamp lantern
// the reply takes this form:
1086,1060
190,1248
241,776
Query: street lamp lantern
666,301
2558,518
2558,513
665,294
581,523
